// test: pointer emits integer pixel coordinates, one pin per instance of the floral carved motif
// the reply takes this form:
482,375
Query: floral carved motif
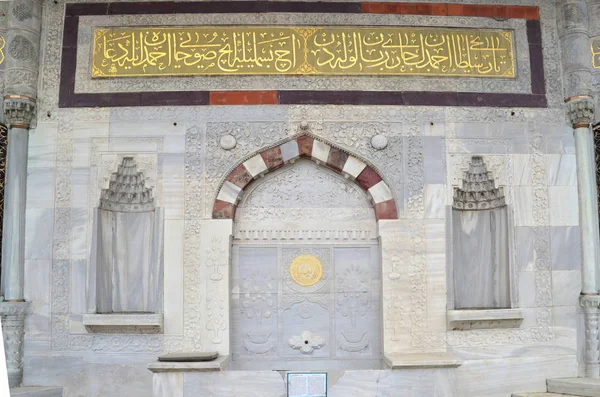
306,342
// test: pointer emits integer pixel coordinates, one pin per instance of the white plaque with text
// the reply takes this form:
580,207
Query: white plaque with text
307,384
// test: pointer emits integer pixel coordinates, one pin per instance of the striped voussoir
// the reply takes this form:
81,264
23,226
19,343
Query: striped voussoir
305,146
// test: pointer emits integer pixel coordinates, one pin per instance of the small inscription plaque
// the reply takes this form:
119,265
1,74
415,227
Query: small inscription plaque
307,384
302,50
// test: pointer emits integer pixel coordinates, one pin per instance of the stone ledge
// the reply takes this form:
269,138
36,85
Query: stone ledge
588,387
484,319
421,360
219,364
540,394
36,391
128,323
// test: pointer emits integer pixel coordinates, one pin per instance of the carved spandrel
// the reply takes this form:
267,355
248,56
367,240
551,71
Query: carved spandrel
288,50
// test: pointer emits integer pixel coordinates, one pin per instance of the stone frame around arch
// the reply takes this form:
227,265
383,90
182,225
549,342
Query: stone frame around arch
304,146
416,328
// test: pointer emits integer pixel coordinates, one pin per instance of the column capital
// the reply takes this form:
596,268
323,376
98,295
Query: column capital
19,111
580,110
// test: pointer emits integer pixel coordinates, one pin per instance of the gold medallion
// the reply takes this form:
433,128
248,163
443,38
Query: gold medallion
306,270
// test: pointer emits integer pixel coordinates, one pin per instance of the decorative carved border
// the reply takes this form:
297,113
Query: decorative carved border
596,130
3,150
69,99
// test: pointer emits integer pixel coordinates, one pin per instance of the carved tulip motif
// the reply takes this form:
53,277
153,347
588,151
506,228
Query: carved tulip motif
306,342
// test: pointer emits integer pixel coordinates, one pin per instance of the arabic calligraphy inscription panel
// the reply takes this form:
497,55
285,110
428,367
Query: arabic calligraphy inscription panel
286,50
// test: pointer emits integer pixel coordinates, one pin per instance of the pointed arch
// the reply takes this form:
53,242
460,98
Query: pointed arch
304,146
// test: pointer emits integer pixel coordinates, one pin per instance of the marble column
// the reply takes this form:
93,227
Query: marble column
581,113
573,29
18,113
20,90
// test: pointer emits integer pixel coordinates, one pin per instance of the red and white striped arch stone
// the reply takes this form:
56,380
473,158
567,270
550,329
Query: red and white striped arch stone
305,146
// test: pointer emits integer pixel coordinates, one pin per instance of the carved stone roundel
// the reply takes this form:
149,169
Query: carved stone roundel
306,270
228,142
21,49
379,142
22,10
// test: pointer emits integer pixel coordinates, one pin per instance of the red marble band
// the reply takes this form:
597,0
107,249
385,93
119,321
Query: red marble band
305,146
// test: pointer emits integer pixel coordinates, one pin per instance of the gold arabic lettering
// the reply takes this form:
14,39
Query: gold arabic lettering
271,50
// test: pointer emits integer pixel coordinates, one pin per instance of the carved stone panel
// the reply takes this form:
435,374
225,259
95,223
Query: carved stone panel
357,302
297,199
285,322
301,314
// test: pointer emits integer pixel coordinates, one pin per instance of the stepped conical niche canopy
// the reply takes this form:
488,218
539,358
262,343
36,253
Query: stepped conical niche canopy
479,191
127,191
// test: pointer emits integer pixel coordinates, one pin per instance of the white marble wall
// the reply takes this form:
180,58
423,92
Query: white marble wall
530,151
65,179
63,192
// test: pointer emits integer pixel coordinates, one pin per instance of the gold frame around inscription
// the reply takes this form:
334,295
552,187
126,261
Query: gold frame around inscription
302,50
2,45
595,42
304,265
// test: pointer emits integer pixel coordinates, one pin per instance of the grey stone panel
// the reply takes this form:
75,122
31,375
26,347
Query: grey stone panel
560,145
524,248
514,130
434,150
565,245
39,225
477,130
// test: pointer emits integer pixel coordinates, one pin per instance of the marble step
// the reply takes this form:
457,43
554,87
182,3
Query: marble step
586,387
530,394
36,392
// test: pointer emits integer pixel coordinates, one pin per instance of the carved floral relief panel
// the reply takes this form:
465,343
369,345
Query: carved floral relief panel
279,317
